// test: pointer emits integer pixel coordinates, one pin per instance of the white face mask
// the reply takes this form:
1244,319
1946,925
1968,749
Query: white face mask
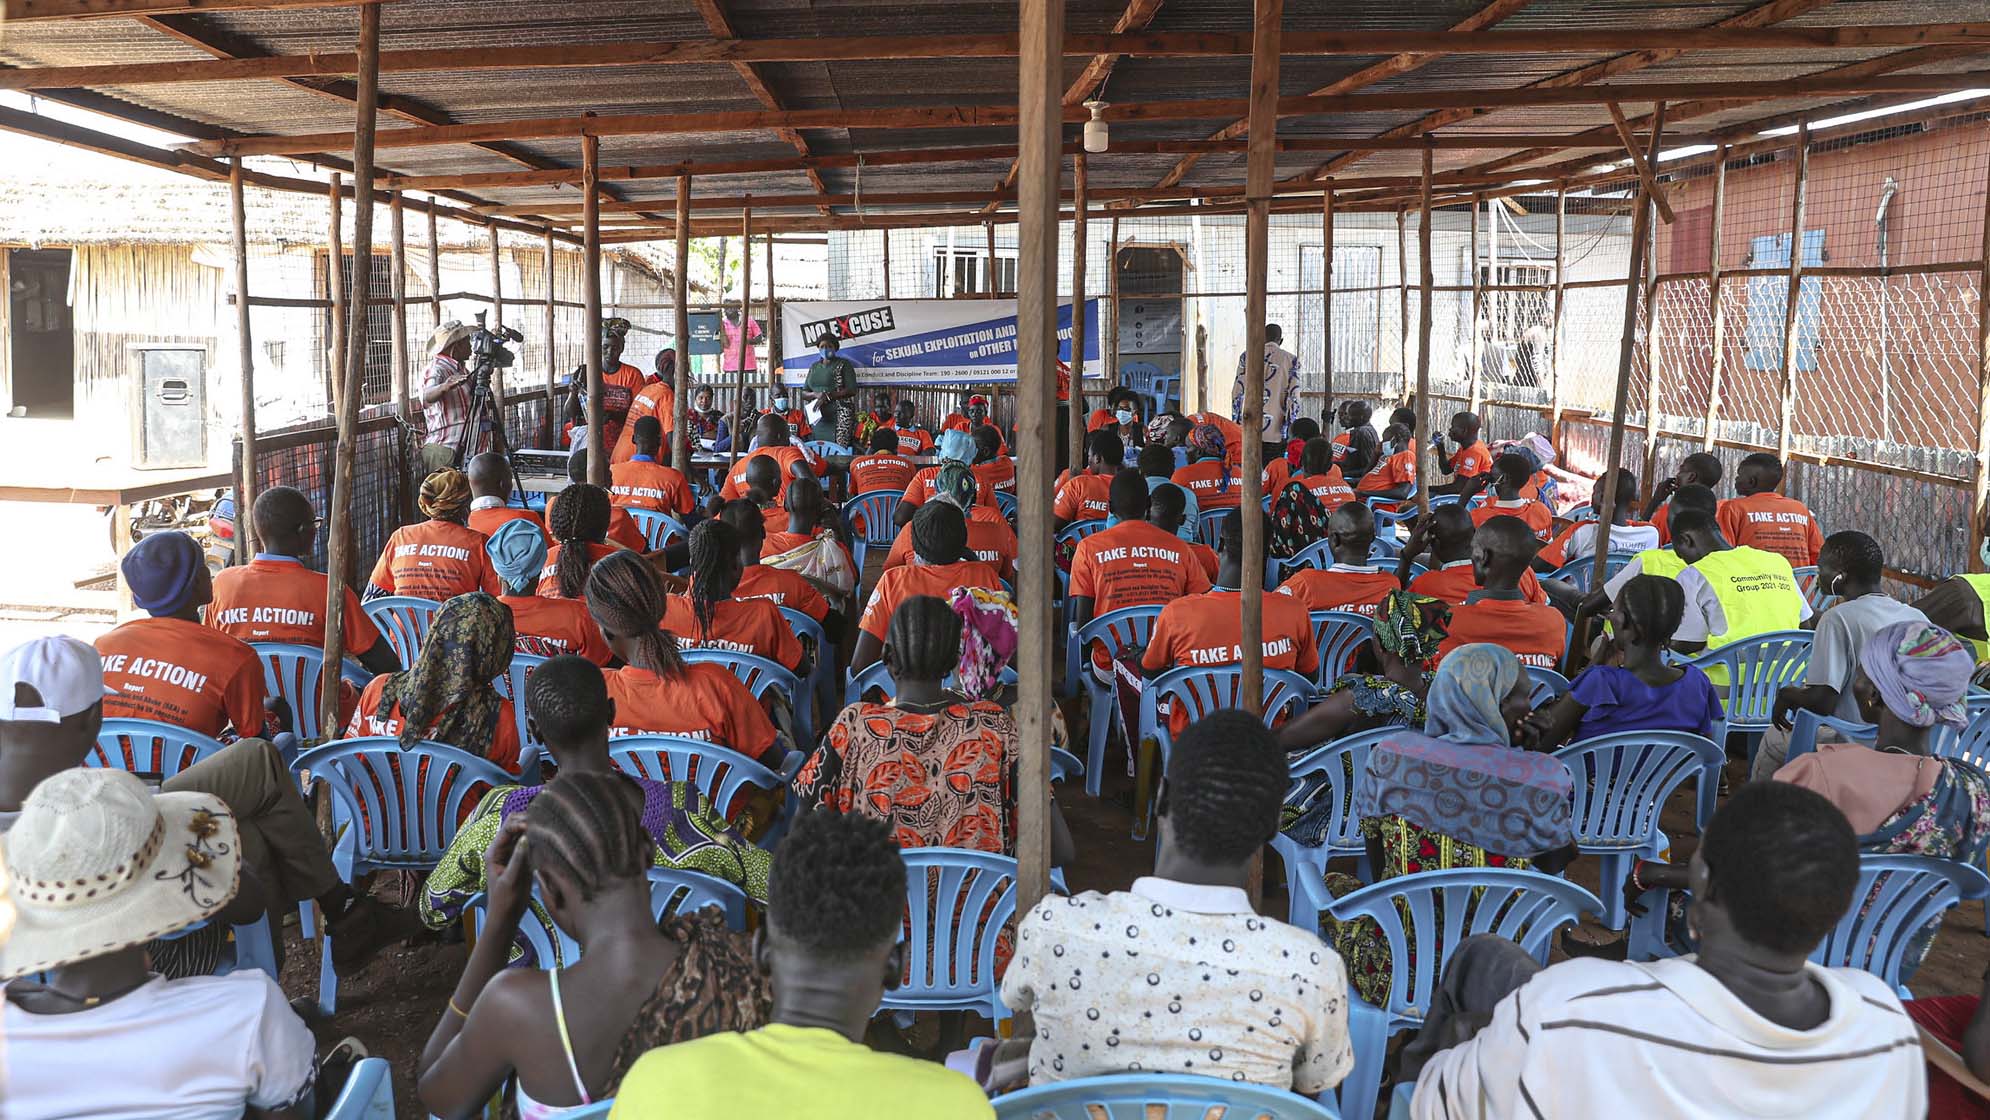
1124,416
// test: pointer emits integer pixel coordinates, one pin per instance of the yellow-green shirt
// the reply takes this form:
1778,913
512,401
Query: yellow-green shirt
798,1073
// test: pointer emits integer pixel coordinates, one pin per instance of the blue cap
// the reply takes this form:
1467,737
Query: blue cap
160,571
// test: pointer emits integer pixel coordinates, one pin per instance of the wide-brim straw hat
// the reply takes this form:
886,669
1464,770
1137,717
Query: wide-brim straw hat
447,335
97,863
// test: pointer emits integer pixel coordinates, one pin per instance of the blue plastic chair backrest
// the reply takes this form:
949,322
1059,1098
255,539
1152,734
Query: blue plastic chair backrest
1199,690
1384,548
1209,525
1895,898
806,627
404,621
875,677
1548,684
292,672
1972,743
148,748
757,673
1525,907
1622,781
1318,556
1340,636
1341,763
368,1093
1756,668
659,529
511,686
1065,766
671,892
718,773
403,806
1124,629
1079,530
1156,1096
1580,513
1006,502
822,447
1578,572
958,901
869,515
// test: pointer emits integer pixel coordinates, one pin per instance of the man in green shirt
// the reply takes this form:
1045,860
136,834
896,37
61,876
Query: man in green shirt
832,383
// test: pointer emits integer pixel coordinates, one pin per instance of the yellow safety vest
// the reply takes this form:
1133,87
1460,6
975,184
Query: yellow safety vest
1660,562
1758,593
1979,583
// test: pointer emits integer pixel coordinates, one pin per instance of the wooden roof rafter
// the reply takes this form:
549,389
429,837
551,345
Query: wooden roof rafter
756,83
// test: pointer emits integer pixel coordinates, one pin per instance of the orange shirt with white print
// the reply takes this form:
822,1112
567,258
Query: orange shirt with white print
1083,497
922,487
1205,630
182,673
739,625
278,599
1556,551
1206,556
995,475
1342,587
1772,523
912,441
1472,461
1330,488
436,560
988,537
1204,479
878,472
1134,564
546,627
1396,470
549,576
1452,582
787,455
706,703
644,483
900,584
1537,634
1276,474
370,719
658,400
1539,520
490,519
783,588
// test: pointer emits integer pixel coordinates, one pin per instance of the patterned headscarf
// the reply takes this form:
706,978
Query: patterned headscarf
1205,441
955,483
988,622
956,447
1466,693
444,494
1157,428
1411,627
447,696
1922,673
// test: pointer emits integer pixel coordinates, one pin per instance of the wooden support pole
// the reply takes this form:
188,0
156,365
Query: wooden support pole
339,546
434,269
990,289
335,291
1644,167
497,317
1640,246
550,424
1427,280
684,217
590,316
1111,347
1555,322
1654,376
1327,291
1268,18
1981,486
245,355
1403,303
1039,90
1477,390
680,295
1793,296
772,336
397,324
740,438
1075,430
1716,306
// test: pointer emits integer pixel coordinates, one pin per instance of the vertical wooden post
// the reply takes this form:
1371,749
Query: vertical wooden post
245,354
1793,296
772,336
1327,291
1717,308
434,268
741,438
1426,280
990,289
1555,321
339,548
397,286
497,316
335,288
1268,17
1654,378
1640,245
887,262
1478,313
1039,137
590,316
1076,428
1981,488
1111,340
680,295
551,423
1403,308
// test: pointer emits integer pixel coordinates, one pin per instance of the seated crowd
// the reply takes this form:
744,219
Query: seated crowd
128,886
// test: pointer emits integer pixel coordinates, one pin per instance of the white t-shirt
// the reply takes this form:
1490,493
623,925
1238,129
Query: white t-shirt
1623,538
1841,633
195,1049
1666,1041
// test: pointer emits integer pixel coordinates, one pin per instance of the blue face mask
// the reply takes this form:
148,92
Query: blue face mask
1124,416
780,404
827,353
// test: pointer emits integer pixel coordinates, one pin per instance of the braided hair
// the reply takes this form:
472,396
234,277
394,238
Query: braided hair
579,518
567,698
587,829
838,890
924,639
715,570
1653,605
626,598
1226,782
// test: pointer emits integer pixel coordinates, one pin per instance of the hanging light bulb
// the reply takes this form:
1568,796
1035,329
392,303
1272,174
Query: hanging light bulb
1095,129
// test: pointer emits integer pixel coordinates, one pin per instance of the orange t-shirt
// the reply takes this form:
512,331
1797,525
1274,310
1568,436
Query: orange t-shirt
182,673
739,625
658,400
1276,474
1536,515
900,584
997,474
647,484
491,519
619,389
278,599
1233,436
784,588
1470,462
1454,581
988,537
1536,634
549,576
1662,521
1204,480
878,472
1342,587
369,719
706,703
1394,471
1100,418
780,540
1204,630
797,421
623,531
1332,489
920,489
1772,523
1134,564
1083,497
436,560
548,627
913,441
787,455
1204,555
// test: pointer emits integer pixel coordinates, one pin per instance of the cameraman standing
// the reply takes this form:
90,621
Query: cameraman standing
445,396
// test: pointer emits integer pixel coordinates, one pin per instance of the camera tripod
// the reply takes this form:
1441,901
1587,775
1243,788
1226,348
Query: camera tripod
484,409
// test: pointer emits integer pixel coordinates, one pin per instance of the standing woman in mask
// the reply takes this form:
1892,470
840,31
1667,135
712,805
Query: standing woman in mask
832,382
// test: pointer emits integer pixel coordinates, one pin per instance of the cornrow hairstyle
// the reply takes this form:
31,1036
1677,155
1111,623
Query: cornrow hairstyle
588,830
1654,605
1855,554
626,598
567,698
837,891
715,570
939,533
924,638
579,517
1226,783
1782,861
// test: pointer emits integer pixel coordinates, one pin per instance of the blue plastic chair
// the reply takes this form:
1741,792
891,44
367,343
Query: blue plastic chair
1318,556
873,512
875,677
718,773
368,1093
148,748
1577,573
1972,743
1169,1096
1064,766
659,529
1340,636
1549,685
1383,549
1805,724
1580,514
1896,897
1807,583
1199,690
958,901
404,621
394,810
511,686
1120,630
1754,670
1622,782
1526,907
820,684
822,447
1079,530
759,675
1209,525
1341,763
1006,502
294,673
671,892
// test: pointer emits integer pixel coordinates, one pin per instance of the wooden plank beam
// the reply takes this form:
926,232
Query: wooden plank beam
1613,465
1644,169
756,83
590,320
16,11
245,356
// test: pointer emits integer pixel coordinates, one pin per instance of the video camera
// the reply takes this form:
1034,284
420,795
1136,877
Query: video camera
488,351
